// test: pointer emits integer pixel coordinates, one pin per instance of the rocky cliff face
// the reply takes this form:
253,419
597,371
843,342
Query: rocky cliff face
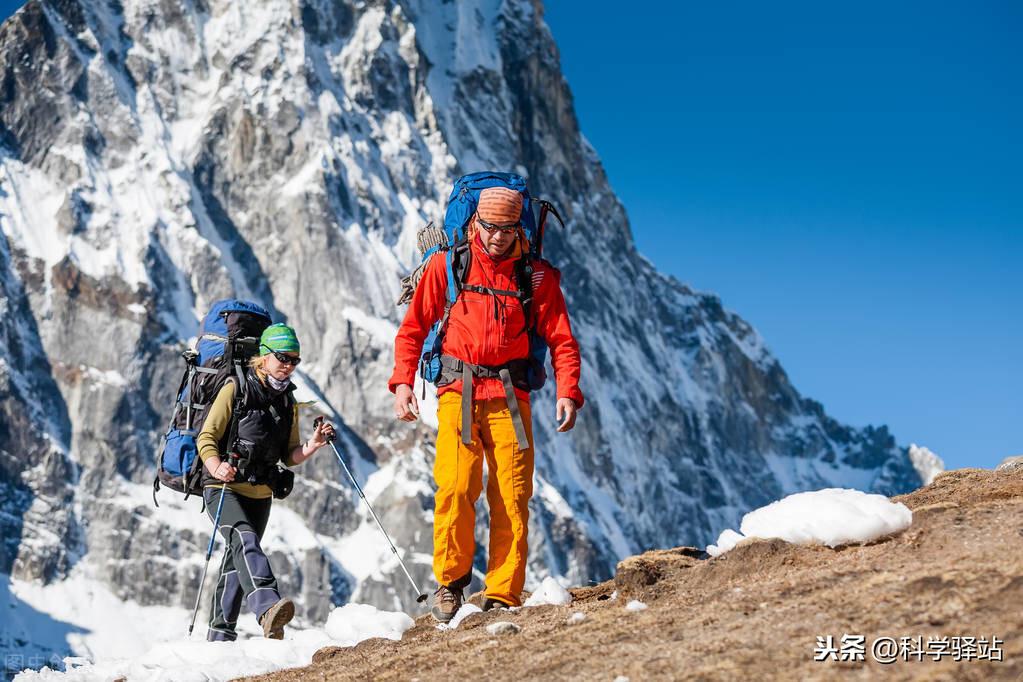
156,155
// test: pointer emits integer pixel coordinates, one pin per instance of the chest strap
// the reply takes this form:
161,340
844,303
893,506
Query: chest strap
491,292
453,368
499,305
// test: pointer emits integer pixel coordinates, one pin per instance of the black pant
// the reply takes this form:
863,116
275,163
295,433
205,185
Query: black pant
245,570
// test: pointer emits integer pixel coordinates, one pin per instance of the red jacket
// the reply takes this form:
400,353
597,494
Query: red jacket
474,335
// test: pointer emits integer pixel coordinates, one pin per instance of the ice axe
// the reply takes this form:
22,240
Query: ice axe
422,596
546,208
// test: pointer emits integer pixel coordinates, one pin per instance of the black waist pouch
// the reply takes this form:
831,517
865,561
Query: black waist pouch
283,483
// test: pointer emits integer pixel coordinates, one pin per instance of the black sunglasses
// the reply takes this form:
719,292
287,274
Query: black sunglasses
490,227
286,359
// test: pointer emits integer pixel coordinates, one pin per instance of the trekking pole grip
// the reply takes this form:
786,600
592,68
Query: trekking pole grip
316,424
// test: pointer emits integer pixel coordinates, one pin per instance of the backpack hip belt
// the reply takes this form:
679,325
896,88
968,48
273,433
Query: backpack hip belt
453,369
257,472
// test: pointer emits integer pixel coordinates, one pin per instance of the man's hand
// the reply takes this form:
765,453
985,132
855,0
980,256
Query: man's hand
567,411
406,407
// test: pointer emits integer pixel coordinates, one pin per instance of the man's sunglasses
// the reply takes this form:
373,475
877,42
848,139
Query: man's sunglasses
491,228
286,359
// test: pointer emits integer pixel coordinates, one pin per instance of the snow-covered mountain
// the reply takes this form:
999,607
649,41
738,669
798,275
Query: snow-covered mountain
156,155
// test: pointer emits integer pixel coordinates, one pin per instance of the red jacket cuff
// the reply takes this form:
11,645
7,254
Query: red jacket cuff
399,378
574,393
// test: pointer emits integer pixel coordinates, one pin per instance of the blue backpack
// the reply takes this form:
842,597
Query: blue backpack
453,242
228,338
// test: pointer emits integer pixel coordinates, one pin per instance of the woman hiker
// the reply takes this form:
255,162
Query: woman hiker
244,454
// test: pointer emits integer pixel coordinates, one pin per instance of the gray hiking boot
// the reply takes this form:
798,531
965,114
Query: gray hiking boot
276,617
494,605
446,602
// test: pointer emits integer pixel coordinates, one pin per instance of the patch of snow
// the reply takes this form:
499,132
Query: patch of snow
464,612
727,540
288,532
636,605
109,377
833,516
549,592
576,618
81,616
111,638
192,660
363,553
353,623
382,331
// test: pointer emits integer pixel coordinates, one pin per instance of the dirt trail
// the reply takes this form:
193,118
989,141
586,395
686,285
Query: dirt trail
755,612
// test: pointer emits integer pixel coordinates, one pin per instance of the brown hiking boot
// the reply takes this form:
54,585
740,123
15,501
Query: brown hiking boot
276,617
494,605
446,603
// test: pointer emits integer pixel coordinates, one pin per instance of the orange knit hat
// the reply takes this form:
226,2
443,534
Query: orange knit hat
500,206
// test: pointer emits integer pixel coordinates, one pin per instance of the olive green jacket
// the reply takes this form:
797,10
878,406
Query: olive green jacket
215,427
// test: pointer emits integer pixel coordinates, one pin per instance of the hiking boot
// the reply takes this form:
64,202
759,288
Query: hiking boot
276,617
494,605
446,603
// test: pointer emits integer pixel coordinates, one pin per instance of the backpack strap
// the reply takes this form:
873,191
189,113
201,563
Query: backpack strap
458,260
459,263
240,395
287,418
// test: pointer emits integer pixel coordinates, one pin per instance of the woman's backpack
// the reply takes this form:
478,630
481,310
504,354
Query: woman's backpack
228,339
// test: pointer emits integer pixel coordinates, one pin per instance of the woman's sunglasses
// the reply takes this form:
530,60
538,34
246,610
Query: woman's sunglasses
491,228
286,359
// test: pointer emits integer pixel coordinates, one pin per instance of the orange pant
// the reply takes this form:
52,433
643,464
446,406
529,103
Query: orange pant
458,471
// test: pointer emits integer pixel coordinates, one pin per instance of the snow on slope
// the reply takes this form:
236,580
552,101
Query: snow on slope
112,644
832,517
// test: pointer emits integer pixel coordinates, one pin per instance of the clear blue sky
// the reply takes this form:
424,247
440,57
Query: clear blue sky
847,178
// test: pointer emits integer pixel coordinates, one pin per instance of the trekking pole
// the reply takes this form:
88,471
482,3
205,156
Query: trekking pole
209,550
422,596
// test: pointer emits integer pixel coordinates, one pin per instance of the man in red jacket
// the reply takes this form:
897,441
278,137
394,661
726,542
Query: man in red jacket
485,345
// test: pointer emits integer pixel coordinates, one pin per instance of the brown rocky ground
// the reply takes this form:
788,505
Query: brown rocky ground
755,612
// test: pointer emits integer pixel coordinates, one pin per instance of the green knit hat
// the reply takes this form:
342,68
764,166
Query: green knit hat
279,337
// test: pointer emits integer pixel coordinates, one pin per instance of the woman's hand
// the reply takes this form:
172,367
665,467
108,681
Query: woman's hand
220,470
322,434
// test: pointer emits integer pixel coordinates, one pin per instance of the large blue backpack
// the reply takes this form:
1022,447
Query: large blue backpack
228,338
453,243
